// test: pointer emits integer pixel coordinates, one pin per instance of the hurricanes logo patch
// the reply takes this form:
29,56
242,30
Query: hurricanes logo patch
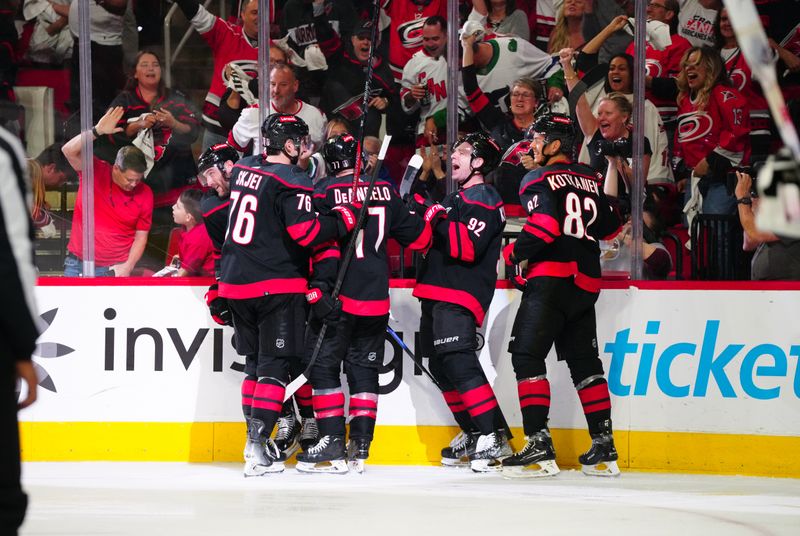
410,33
694,126
372,356
280,343
653,68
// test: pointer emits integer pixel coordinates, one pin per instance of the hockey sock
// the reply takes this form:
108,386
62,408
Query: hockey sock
363,412
248,387
534,401
267,402
304,403
329,411
481,405
460,413
596,403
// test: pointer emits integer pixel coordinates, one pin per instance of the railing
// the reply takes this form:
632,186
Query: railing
169,56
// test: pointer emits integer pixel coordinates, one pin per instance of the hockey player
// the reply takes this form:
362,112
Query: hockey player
216,165
455,286
265,269
567,214
357,324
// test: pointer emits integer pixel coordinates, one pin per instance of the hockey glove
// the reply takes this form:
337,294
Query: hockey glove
218,306
514,271
348,217
323,306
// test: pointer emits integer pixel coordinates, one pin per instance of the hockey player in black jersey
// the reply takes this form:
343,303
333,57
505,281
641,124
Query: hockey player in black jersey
215,166
568,213
455,285
264,270
356,328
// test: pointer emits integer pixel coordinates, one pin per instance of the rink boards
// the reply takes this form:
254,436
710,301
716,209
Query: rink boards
702,379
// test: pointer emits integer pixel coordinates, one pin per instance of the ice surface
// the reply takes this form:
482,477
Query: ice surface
116,498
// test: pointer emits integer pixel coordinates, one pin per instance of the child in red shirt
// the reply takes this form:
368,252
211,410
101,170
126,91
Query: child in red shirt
194,245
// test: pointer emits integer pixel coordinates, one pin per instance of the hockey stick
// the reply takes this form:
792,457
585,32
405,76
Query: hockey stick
417,361
367,96
410,175
355,238
760,57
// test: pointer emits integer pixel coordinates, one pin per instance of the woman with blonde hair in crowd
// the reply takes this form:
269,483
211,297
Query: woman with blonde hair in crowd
568,31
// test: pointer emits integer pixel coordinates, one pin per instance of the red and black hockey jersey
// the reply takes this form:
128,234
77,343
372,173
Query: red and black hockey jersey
568,214
718,131
365,289
215,216
271,224
461,267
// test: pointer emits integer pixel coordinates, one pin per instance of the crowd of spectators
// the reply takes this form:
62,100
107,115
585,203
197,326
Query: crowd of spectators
705,115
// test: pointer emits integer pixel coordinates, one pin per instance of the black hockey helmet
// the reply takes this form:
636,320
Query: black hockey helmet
216,156
484,147
340,152
556,126
278,128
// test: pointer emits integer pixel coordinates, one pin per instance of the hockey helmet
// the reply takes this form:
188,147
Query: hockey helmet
216,156
278,128
556,126
340,152
484,147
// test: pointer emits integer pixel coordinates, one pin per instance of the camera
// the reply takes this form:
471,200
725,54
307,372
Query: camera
619,147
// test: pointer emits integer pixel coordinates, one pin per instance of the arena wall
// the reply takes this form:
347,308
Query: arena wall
703,378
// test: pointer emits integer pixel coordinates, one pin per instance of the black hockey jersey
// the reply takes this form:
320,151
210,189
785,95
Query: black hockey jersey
567,214
461,267
271,224
215,216
365,289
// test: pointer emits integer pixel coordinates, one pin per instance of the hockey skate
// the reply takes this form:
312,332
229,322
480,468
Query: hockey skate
261,456
457,453
601,458
309,434
489,452
286,438
327,456
357,453
536,459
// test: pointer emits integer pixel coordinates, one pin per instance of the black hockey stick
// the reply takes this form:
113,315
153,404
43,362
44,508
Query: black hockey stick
417,361
355,238
367,95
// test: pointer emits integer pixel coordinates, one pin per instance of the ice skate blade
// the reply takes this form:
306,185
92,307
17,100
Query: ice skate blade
601,469
535,470
485,466
452,462
289,452
252,469
335,467
356,466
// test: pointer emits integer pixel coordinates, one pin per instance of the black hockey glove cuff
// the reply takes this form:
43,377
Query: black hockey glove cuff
218,306
323,305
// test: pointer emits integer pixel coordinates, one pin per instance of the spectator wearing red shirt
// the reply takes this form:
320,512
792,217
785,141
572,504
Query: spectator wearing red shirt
123,206
195,250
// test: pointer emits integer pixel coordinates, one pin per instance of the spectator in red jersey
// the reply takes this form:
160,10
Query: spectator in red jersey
123,206
741,77
228,44
195,251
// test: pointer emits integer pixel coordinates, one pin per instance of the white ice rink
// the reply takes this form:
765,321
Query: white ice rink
90,499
